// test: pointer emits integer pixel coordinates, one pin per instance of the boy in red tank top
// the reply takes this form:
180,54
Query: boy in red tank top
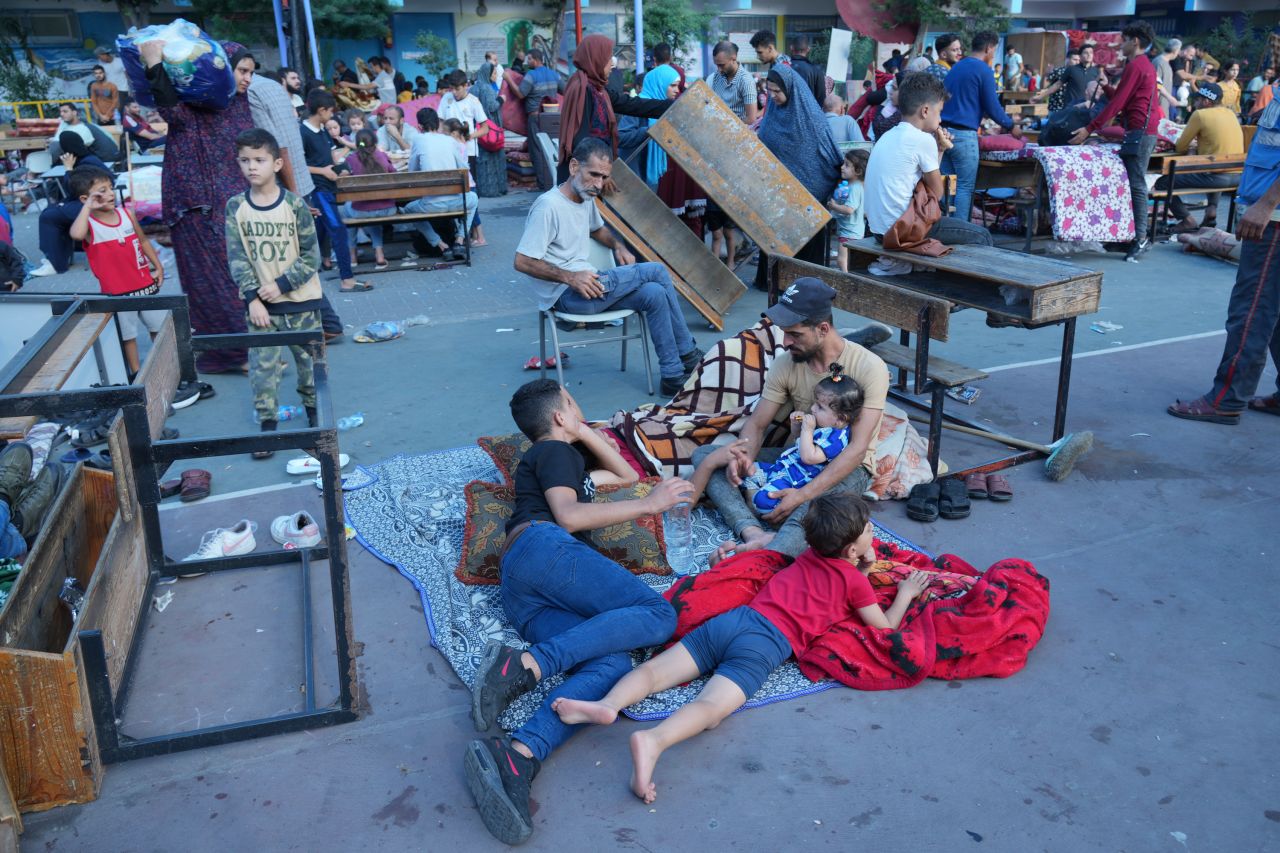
120,255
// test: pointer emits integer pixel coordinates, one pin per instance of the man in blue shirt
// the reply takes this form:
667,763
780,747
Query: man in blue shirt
1253,312
972,90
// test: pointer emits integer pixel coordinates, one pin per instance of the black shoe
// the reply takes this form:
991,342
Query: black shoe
499,779
206,390
672,385
266,426
1136,248
15,470
33,504
690,360
869,335
188,394
499,680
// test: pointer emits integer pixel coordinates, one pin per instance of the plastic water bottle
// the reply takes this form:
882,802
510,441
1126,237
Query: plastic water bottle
288,413
351,421
678,531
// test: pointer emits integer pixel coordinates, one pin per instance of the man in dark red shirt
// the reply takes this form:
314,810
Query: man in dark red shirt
1133,98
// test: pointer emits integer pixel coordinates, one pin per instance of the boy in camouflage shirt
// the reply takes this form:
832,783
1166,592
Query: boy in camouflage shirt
274,258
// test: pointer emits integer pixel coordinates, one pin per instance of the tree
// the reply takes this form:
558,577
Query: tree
673,22
253,21
964,17
136,13
20,78
437,56
1244,44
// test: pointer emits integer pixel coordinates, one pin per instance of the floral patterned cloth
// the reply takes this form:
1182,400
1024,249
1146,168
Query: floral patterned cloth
1088,193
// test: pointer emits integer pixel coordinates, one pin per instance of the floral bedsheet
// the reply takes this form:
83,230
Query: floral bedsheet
1088,193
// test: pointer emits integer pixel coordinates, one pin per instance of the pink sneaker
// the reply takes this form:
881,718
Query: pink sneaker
296,531
224,542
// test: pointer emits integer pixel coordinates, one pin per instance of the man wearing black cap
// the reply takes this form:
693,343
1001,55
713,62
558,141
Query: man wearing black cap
803,312
1215,130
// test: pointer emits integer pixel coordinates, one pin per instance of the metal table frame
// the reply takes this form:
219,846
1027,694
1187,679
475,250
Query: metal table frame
148,460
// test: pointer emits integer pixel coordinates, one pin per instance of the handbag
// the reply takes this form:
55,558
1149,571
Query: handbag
494,139
1133,138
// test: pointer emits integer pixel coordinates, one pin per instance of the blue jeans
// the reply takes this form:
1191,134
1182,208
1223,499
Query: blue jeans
436,204
962,161
374,231
1253,323
583,613
329,223
646,288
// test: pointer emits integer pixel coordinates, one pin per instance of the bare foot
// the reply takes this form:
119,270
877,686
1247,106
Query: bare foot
644,757
749,543
575,711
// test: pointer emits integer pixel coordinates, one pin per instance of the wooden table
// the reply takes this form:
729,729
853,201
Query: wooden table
1054,292
23,143
1014,174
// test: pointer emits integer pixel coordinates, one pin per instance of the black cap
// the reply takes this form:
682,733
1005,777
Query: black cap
1210,92
806,299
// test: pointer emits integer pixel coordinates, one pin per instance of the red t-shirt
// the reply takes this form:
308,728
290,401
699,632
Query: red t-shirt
115,256
806,598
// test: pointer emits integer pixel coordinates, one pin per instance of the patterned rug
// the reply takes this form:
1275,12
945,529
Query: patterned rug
409,511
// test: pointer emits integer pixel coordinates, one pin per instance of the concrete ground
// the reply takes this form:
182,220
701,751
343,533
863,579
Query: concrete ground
1144,721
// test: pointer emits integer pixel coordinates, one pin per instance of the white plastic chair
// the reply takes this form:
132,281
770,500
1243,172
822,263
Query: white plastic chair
602,259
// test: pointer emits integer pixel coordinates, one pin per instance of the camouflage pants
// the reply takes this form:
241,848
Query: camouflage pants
266,367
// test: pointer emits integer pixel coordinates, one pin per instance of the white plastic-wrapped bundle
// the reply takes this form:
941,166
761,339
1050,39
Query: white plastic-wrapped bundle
197,65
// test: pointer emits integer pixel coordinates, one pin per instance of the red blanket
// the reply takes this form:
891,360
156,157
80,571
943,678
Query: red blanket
988,631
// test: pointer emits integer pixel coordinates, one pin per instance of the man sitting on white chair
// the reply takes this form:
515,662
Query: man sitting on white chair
554,252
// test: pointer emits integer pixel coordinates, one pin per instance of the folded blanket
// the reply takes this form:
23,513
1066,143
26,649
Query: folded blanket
1088,193
968,624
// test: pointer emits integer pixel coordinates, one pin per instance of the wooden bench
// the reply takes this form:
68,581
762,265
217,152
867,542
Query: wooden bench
402,188
1197,164
57,360
927,317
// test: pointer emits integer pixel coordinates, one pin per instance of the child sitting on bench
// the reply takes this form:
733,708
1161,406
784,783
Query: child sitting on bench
824,586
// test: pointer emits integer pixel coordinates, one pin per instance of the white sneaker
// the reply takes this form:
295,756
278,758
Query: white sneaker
224,542
296,531
311,465
885,265
44,269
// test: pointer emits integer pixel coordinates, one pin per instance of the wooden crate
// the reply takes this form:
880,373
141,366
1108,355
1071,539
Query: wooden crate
49,748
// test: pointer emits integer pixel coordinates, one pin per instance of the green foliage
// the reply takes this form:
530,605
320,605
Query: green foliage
136,13
19,80
437,56
253,22
965,17
351,19
1246,44
673,22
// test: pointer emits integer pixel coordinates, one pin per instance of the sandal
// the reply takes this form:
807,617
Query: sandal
169,488
953,499
1267,405
194,485
922,502
998,488
976,485
1200,410
358,287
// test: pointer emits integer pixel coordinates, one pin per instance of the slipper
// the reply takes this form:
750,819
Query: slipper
80,454
195,484
922,502
534,363
358,287
311,465
976,484
1200,410
953,499
380,267
169,488
998,488
1267,405
91,437
100,460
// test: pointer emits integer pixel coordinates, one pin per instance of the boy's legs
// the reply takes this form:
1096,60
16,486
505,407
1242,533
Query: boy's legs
304,321
128,322
265,370
962,161
842,256
333,226
55,233
954,231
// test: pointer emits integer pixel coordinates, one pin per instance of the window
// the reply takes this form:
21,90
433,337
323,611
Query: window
49,27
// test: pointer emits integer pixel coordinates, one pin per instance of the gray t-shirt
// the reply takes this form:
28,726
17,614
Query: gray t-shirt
844,128
558,231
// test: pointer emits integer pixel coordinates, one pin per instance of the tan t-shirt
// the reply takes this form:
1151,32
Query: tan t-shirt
790,384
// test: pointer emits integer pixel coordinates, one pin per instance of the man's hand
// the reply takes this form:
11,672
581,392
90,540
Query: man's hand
1035,99
1255,220
623,256
1016,131
586,284
152,52
157,274
1079,136
668,493
740,463
258,315
269,292
788,501
328,172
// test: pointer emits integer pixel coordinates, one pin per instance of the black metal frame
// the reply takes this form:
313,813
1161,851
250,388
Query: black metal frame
148,459
1170,170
